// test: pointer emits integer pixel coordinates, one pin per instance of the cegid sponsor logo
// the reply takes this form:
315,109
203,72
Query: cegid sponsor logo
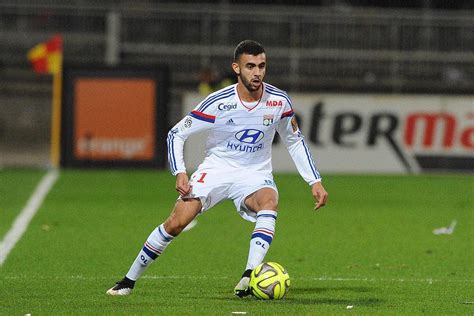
227,106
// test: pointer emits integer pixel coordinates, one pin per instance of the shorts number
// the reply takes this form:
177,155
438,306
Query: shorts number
201,179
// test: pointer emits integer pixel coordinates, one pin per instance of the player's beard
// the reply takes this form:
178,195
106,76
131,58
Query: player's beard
248,84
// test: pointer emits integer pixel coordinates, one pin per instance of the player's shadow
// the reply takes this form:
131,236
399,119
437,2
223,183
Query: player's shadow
321,296
356,289
294,298
333,301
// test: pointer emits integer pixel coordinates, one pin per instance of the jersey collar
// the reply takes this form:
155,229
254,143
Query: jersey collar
257,102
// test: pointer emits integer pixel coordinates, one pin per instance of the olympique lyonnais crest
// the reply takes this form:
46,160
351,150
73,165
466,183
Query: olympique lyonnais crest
267,120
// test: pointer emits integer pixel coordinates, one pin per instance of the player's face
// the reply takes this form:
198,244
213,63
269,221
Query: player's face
251,70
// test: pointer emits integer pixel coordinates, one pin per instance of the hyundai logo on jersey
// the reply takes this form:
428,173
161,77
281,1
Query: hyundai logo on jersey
249,136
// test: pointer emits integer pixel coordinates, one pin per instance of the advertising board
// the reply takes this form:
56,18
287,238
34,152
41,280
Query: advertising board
365,133
114,117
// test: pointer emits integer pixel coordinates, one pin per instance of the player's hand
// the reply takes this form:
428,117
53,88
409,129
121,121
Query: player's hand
182,184
319,194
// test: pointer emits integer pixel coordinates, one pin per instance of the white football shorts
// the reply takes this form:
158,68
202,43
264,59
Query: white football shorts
212,186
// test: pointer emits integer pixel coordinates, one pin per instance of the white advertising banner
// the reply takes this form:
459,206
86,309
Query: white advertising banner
366,133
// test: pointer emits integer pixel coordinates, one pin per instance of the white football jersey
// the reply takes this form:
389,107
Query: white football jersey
241,133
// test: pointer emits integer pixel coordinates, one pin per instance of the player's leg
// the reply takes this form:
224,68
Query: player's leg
183,213
264,202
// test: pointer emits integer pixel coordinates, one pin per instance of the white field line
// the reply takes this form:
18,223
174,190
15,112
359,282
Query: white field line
205,277
23,219
324,278
408,280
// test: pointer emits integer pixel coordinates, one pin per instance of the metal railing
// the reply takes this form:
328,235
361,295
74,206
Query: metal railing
309,48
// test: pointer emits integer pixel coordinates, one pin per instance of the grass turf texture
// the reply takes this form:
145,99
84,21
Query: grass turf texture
15,189
372,247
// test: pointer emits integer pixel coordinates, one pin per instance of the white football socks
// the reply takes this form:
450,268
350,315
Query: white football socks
262,237
154,246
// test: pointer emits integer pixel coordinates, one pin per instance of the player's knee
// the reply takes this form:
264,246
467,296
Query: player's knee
269,204
174,227
183,213
264,199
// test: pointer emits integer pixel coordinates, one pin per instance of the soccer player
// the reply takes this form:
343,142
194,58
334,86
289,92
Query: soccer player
242,119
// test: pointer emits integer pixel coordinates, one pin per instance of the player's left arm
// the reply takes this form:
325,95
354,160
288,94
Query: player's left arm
294,140
320,195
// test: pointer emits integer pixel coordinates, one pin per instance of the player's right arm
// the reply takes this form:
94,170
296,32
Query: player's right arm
200,119
182,184
192,123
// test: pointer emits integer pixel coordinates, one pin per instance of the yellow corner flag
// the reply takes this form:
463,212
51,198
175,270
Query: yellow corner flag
47,58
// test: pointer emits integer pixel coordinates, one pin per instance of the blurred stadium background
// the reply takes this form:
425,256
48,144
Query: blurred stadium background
422,47
382,87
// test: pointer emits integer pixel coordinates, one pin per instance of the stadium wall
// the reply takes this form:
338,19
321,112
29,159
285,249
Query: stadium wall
367,133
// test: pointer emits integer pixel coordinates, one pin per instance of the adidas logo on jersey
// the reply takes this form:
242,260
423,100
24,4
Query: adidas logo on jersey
230,122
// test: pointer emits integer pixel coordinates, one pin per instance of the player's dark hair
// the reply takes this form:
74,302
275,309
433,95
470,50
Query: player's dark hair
248,47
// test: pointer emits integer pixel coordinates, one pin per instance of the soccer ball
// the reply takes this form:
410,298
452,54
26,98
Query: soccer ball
269,281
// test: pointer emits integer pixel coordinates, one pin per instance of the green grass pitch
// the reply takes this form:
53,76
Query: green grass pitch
371,248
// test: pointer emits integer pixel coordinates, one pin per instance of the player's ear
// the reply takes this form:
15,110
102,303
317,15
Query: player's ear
236,68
